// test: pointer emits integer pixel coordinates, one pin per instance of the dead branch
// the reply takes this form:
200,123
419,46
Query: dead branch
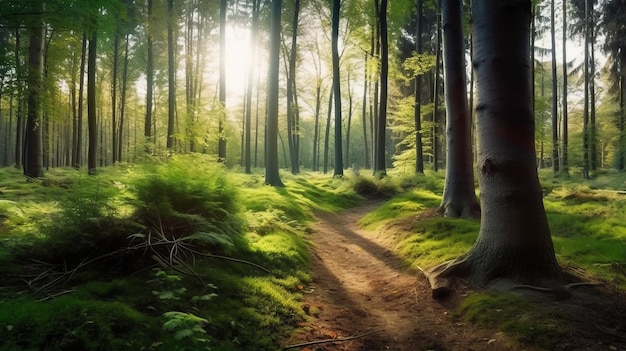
327,341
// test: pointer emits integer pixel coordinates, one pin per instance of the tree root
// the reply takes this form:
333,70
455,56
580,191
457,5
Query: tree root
560,293
327,341
442,277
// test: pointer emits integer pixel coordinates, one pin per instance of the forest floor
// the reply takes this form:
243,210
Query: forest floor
360,287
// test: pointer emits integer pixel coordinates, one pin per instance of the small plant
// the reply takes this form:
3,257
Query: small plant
188,327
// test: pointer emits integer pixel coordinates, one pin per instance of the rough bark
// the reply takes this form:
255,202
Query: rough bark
514,241
272,177
33,163
459,198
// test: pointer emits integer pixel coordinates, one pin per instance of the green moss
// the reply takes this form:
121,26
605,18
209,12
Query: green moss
527,322
409,203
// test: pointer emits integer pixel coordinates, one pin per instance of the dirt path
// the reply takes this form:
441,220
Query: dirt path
359,286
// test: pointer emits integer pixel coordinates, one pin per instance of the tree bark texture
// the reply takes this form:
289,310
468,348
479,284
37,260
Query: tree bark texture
514,242
272,177
33,163
380,168
459,198
338,167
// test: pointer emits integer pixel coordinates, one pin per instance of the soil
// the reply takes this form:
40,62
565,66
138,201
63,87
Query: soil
361,288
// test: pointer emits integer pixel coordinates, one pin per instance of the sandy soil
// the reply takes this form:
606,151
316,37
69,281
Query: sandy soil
360,287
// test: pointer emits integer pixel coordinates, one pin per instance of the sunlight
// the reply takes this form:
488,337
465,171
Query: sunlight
238,55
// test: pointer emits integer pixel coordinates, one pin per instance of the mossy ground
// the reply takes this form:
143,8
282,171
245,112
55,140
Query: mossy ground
68,219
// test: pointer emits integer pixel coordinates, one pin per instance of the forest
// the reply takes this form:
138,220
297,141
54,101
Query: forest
312,175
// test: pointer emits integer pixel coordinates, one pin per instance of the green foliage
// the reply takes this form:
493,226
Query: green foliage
189,327
418,64
71,324
372,187
525,321
189,195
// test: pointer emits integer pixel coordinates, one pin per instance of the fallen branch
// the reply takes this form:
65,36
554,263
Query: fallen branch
328,341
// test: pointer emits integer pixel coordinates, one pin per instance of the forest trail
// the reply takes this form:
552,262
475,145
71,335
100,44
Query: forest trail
360,286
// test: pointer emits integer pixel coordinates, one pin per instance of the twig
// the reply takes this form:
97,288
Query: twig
327,341
56,295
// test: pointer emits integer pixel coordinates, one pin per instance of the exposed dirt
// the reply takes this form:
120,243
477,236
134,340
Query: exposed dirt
360,287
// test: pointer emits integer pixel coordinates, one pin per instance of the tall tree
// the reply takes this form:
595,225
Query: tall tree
555,117
514,241
221,144
251,72
419,148
149,77
92,151
337,89
435,93
33,163
78,154
564,133
293,120
272,176
171,71
380,168
459,198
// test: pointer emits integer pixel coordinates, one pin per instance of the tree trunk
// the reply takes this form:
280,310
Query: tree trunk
434,145
171,76
514,242
78,152
120,144
251,73
419,148
149,80
564,133
92,152
459,198
33,163
327,134
586,97
338,167
593,131
221,144
272,176
19,123
116,49
366,140
555,117
380,168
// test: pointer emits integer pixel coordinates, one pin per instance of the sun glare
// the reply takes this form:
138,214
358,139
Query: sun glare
238,56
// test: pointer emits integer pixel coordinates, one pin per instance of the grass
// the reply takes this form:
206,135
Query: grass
69,217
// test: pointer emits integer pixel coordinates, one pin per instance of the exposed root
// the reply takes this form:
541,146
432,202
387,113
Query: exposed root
561,292
327,341
442,277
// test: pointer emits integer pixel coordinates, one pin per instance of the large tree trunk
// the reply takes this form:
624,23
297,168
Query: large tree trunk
337,90
33,163
459,198
514,242
272,177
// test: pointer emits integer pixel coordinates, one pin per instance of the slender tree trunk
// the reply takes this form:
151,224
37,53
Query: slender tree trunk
419,148
116,49
459,197
565,131
338,167
78,153
586,166
92,153
555,117
221,147
149,80
514,242
380,168
327,134
316,127
349,122
171,76
434,132
120,144
593,132
33,163
19,123
251,74
272,176
366,140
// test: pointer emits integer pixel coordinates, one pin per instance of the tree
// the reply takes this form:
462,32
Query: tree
171,69
337,89
459,198
381,127
91,104
564,135
33,163
253,35
149,77
555,117
419,149
272,177
221,147
514,241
